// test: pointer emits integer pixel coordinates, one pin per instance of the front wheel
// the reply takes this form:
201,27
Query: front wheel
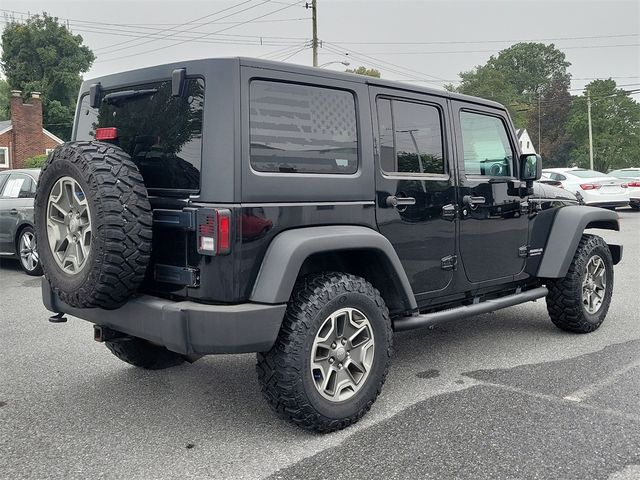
332,355
579,302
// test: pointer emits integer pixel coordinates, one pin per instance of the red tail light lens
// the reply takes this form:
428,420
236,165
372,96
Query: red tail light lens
214,231
633,184
590,186
224,232
106,133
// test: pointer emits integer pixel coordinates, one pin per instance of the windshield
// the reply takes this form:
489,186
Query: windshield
587,173
162,134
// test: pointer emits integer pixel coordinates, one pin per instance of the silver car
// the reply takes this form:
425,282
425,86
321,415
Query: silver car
17,236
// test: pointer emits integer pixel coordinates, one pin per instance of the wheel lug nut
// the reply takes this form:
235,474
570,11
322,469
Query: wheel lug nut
331,360
340,365
333,345
343,341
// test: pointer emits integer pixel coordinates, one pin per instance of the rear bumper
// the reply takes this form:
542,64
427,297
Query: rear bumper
185,327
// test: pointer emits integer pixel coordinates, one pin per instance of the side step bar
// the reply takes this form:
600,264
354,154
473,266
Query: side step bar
487,306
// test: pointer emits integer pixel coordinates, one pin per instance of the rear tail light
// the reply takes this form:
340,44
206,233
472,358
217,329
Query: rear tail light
590,186
624,185
214,231
633,184
106,133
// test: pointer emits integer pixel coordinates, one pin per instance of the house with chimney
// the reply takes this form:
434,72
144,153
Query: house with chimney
23,136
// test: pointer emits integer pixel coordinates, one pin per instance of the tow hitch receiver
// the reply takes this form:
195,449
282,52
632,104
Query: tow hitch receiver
104,334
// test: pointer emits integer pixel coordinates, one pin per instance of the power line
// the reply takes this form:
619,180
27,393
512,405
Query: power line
208,34
192,28
493,51
451,42
353,53
293,54
241,39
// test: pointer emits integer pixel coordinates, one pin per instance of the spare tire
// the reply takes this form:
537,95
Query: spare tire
93,224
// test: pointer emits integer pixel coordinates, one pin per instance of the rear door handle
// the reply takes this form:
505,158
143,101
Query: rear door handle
393,201
473,201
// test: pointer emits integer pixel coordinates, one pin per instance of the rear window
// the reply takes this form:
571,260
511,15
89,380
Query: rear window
302,129
161,133
625,173
587,173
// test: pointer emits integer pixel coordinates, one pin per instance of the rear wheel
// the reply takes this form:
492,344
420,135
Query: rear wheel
332,354
28,252
142,354
579,302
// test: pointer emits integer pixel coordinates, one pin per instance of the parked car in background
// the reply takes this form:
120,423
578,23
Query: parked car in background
17,234
632,177
547,180
593,188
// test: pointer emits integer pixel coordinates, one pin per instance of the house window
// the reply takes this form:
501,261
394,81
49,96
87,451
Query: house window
527,144
4,157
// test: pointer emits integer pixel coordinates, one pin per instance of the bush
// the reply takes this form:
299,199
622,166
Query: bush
35,162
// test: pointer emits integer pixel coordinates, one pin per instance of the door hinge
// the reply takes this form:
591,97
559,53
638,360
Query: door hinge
449,262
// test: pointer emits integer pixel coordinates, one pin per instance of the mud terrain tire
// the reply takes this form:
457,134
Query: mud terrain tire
117,225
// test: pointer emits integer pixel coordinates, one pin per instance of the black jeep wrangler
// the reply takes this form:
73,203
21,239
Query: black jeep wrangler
240,205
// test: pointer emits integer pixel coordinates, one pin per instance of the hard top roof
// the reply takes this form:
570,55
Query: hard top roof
293,68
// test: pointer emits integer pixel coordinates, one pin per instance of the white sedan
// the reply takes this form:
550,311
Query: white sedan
632,177
594,188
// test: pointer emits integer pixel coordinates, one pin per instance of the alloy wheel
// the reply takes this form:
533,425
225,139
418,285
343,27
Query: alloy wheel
28,251
69,225
342,354
594,284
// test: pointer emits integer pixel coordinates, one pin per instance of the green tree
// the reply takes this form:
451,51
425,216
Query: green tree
35,162
522,77
42,55
5,91
615,118
553,109
371,72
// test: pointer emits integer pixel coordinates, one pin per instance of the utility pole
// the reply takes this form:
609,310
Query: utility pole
314,20
539,114
590,132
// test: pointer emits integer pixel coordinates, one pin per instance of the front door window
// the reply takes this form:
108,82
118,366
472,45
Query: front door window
487,151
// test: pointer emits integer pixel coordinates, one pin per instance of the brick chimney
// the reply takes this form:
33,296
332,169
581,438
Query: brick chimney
26,120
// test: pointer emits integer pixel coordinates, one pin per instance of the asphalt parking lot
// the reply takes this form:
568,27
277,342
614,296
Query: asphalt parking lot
502,395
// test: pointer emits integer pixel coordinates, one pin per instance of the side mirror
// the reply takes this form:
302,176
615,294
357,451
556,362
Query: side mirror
530,167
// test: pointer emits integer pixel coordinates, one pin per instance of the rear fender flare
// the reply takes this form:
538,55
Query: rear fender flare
288,251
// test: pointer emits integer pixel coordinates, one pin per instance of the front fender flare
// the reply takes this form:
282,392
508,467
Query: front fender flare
288,251
565,233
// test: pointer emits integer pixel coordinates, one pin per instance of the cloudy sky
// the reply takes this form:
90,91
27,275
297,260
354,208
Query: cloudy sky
427,42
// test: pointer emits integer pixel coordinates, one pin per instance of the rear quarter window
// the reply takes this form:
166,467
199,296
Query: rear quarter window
302,129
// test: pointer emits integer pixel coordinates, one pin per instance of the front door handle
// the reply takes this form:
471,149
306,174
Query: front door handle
393,201
473,201
13,211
